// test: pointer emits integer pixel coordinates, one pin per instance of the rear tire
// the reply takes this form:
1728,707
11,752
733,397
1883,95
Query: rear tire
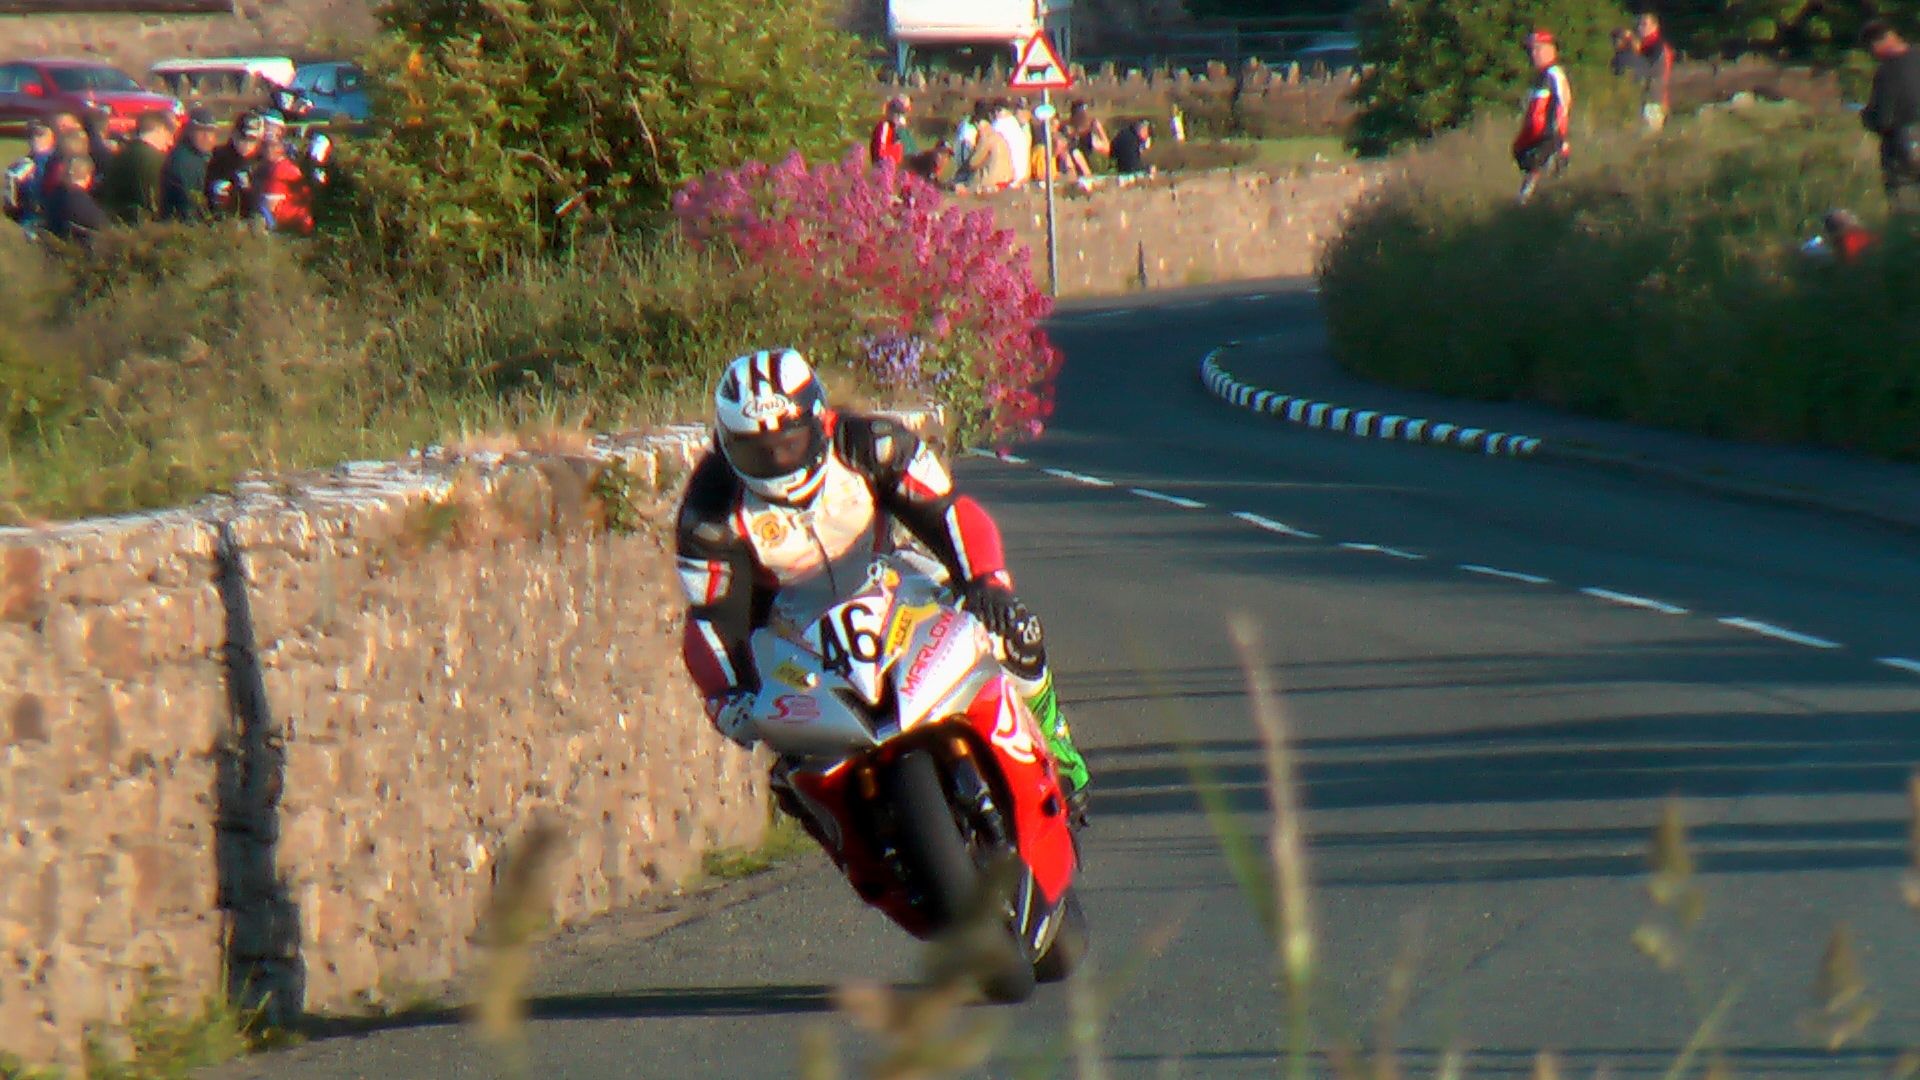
1070,943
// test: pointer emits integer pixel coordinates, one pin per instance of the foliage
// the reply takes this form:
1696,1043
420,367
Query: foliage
1437,64
1825,33
1660,281
189,357
502,114
912,290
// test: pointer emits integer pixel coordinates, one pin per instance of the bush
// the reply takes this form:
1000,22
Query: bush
1437,64
176,360
891,278
500,113
1660,282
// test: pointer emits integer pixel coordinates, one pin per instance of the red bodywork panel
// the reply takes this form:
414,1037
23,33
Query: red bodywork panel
999,733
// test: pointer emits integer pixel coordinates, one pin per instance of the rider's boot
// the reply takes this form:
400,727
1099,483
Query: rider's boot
1025,658
1045,706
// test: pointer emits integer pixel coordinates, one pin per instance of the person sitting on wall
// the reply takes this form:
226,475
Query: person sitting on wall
1130,149
72,213
931,164
26,188
991,166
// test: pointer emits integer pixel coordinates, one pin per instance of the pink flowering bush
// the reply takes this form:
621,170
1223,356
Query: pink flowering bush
913,291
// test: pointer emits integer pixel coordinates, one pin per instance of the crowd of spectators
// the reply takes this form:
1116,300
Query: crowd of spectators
75,182
1000,144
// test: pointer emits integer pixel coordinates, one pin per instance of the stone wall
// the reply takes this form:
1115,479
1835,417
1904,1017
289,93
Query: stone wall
278,741
1186,230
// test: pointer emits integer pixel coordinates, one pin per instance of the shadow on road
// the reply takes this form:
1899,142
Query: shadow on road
679,1002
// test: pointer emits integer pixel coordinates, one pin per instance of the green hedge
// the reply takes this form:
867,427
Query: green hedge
1660,281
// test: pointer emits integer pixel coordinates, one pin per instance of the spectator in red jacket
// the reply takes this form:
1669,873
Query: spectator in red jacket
892,139
1656,67
1542,142
283,196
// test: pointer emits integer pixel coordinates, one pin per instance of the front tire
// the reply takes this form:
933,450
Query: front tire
1070,943
940,866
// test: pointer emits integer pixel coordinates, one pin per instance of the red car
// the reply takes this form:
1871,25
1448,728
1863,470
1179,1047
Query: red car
42,89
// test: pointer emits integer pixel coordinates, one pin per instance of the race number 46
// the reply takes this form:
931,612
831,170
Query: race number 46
849,634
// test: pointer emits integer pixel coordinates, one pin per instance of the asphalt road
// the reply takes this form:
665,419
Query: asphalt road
1484,753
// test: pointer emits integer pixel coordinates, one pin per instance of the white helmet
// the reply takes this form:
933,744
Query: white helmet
770,418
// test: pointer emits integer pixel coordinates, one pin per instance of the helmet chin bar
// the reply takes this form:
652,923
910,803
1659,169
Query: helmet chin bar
794,489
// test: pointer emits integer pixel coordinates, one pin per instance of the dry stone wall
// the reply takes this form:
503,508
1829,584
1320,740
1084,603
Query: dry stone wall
1187,229
278,742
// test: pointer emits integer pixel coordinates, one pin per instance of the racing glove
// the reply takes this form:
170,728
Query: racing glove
1009,621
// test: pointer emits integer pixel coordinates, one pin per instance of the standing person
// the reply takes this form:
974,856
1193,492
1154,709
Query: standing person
72,213
1893,109
130,186
282,194
892,140
230,167
26,181
1130,148
1656,70
1542,142
1626,54
1019,140
183,182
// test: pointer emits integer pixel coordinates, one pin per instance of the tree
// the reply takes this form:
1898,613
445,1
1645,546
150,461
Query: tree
1436,64
504,121
1806,30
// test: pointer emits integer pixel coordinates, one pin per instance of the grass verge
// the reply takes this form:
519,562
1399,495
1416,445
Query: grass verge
785,841
1659,281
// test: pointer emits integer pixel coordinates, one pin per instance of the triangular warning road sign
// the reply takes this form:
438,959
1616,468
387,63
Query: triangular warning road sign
1039,67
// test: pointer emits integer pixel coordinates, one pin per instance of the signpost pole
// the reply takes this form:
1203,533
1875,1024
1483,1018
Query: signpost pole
1053,235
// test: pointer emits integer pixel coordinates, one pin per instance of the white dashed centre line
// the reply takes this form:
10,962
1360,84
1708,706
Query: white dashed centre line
1901,663
1509,575
1271,525
1011,459
1630,600
1378,549
1175,500
1778,633
1078,478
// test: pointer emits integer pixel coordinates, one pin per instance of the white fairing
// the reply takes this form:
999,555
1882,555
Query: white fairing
889,655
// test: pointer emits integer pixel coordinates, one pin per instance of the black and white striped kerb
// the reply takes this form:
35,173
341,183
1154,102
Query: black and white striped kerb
1365,423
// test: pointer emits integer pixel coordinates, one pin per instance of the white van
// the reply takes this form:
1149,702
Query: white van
1002,23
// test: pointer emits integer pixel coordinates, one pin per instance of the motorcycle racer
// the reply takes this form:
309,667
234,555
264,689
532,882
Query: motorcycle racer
797,496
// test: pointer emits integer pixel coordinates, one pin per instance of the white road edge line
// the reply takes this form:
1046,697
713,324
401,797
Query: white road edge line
1778,633
1901,663
1078,478
1510,575
1011,459
1274,526
1176,500
1631,600
1378,549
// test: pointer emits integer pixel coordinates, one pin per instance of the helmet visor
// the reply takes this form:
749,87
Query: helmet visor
766,455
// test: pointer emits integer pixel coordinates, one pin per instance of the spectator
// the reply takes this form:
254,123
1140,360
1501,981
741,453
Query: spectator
26,189
72,214
931,164
1542,143
283,196
230,167
1087,140
969,125
892,139
67,145
1626,54
1019,140
130,185
991,166
1130,148
1893,108
1656,70
183,184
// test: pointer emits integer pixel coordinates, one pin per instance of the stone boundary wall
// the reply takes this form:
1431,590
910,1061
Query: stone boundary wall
1186,229
277,742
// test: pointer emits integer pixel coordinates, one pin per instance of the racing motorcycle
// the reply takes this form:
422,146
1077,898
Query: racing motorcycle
913,760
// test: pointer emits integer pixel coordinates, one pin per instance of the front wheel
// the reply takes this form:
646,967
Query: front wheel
941,869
